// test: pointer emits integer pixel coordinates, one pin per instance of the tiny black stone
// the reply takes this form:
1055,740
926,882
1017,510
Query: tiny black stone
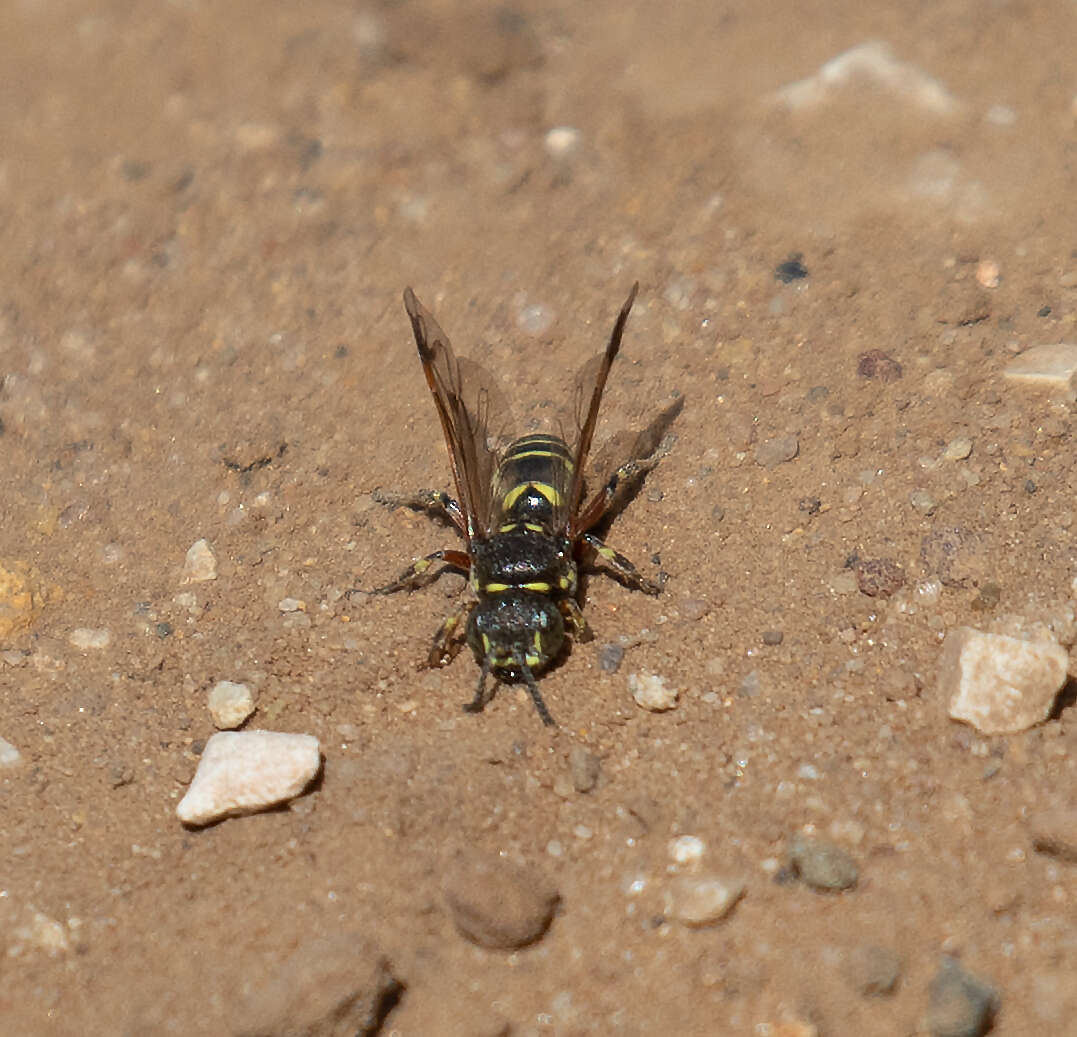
791,270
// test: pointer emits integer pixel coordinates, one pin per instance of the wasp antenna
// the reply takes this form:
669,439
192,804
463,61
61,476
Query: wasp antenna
478,703
532,687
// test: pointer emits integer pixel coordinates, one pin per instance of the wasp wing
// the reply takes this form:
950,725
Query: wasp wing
463,394
619,467
587,396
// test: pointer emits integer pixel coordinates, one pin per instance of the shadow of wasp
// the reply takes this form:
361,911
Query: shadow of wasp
522,512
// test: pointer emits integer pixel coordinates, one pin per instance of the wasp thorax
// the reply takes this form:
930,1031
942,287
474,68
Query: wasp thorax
516,629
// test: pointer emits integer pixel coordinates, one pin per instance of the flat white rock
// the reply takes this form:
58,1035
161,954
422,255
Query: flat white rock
1000,684
9,755
200,564
1050,367
651,692
699,900
242,772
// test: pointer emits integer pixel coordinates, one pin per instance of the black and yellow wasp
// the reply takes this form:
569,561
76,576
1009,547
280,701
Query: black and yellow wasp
521,510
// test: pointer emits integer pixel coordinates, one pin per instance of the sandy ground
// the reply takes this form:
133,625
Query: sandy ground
209,213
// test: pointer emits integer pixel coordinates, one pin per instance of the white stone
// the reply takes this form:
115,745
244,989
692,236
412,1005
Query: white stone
200,564
651,692
687,850
698,900
563,141
230,704
1047,367
87,638
1000,684
242,772
9,755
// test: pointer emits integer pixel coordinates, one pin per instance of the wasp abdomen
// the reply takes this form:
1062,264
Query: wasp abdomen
532,479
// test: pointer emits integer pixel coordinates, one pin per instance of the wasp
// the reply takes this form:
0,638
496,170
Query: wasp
522,513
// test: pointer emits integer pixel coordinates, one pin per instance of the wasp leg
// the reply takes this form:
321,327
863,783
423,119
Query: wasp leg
626,476
575,620
622,567
422,572
434,501
450,636
651,445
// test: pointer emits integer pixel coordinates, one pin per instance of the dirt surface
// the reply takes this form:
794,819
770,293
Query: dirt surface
209,213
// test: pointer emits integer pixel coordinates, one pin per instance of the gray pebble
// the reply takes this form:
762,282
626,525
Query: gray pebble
585,768
773,637
959,1003
694,609
776,451
610,657
922,501
1054,832
749,685
872,970
822,865
497,903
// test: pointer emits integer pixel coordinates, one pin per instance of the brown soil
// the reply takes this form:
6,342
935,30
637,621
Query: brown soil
209,214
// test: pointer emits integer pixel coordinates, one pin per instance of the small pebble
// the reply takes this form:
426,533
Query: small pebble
497,903
822,865
879,577
242,772
879,366
959,1003
9,755
700,900
922,501
958,449
988,596
585,768
1000,684
291,605
563,142
793,269
987,273
651,692
773,637
200,564
694,609
86,638
776,451
230,704
687,850
1054,832
749,685
872,970
21,598
610,657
